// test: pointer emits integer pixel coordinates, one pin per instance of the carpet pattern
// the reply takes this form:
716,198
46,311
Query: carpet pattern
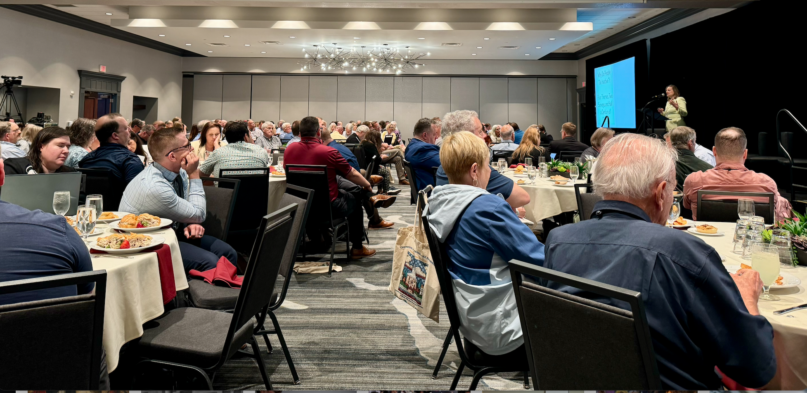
348,332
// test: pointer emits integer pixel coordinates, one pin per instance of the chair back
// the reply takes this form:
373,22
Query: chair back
370,169
303,198
413,187
36,192
261,274
54,343
506,154
580,327
101,181
585,200
220,207
434,173
569,155
314,178
251,204
725,208
359,153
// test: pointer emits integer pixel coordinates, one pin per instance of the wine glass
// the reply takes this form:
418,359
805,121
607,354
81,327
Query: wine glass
675,211
61,202
280,163
85,220
765,260
502,165
745,208
739,235
574,173
96,201
528,161
531,173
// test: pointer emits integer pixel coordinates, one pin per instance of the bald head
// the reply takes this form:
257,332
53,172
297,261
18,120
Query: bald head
507,133
111,134
730,145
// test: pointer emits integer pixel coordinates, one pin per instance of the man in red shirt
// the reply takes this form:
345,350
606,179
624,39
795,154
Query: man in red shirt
341,178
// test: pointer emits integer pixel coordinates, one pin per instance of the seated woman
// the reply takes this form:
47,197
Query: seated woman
531,147
495,134
48,153
209,140
392,129
27,136
598,140
371,146
82,141
481,233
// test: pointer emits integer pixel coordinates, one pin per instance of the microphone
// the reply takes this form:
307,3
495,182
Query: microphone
663,95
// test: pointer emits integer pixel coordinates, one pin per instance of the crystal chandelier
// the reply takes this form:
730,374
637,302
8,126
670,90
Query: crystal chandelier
379,60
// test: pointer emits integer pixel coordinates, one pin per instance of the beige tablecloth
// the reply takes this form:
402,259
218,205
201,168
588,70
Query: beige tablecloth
546,199
277,187
791,329
133,295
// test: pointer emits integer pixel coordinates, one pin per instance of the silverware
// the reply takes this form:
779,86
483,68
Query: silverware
112,256
790,310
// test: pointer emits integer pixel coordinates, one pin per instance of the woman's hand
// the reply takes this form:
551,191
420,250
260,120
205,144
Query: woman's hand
674,103
217,142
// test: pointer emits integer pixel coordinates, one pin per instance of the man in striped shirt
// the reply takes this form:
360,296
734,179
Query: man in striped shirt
240,152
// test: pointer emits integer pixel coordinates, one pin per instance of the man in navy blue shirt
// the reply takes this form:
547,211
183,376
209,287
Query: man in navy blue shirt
700,316
423,154
348,155
112,132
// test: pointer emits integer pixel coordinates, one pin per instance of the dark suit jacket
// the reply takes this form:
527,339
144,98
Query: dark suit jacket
547,139
686,164
16,166
566,144
353,138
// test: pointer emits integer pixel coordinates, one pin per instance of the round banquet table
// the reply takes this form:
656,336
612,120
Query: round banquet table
790,339
546,199
133,295
277,187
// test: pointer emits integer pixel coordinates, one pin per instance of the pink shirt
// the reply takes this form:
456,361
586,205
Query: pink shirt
732,177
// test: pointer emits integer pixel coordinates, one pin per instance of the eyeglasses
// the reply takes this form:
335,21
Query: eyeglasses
186,147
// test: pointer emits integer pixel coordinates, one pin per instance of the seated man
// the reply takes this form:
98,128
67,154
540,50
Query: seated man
9,135
507,143
343,202
286,135
267,138
240,152
517,132
700,316
683,139
730,174
295,132
357,135
113,133
172,188
423,154
568,142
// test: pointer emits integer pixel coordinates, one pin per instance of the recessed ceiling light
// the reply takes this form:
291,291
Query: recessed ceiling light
473,54
421,38
537,47
361,26
146,23
356,38
433,26
162,35
210,51
109,13
487,39
188,44
552,39
505,26
218,24
291,37
478,47
246,44
263,52
226,36
290,24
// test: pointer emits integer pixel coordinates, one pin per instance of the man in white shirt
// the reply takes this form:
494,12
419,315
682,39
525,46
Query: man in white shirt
705,155
507,140
9,135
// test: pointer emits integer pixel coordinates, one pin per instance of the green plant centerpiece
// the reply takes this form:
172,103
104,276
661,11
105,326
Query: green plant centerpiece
797,226
557,167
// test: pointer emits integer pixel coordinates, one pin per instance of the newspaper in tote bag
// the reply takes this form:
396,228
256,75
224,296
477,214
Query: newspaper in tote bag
414,278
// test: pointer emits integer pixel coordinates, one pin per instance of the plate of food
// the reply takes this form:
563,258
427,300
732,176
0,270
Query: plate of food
784,281
705,230
521,182
563,184
140,224
520,171
124,243
95,231
557,178
682,223
111,216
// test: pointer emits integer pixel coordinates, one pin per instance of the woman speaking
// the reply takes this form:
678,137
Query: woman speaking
676,108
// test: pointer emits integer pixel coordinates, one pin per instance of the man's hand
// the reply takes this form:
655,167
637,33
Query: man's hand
194,231
191,165
521,212
750,286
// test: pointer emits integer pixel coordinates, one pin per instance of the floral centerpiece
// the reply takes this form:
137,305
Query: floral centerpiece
561,168
797,226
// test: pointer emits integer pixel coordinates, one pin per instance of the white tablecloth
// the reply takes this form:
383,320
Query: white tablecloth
277,187
791,329
133,295
546,199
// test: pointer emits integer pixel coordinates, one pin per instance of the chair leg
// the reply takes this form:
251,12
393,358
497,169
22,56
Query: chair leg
257,352
526,380
446,344
478,376
195,369
333,249
347,243
284,347
266,340
457,376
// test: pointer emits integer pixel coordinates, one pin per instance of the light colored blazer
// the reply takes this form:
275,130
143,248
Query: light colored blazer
676,116
199,149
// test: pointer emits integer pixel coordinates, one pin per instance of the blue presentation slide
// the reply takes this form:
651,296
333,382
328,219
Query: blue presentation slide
615,90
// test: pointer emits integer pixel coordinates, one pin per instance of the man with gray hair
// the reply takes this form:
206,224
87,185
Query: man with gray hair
683,139
437,127
507,144
461,120
9,135
700,316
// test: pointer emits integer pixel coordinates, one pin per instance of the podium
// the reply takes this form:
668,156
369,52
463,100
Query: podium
649,117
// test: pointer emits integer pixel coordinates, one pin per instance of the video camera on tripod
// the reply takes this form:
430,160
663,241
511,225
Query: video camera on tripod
8,98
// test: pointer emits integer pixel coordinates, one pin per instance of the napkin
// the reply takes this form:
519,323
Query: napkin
225,273
166,268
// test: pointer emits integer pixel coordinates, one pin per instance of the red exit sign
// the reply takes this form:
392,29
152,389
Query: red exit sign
102,68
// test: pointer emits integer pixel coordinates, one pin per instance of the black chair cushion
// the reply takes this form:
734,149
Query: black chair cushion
213,297
191,336
515,360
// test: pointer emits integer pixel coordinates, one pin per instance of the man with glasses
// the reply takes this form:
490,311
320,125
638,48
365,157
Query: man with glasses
9,135
113,133
172,188
240,152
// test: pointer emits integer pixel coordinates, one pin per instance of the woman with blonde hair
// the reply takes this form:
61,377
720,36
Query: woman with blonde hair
531,147
676,108
392,129
481,233
495,134
27,136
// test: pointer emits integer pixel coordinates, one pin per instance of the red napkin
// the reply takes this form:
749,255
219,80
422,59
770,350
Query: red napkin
166,267
514,166
224,273
729,383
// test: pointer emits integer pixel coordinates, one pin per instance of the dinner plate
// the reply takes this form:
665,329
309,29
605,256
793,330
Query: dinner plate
689,223
156,240
517,175
95,232
694,231
569,184
119,214
788,280
564,178
164,222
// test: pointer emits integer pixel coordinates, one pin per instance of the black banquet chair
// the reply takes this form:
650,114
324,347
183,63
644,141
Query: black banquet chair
101,181
202,340
413,188
506,154
251,204
569,155
220,207
725,210
580,328
585,200
55,343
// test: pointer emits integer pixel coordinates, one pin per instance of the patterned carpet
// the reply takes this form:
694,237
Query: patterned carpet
349,333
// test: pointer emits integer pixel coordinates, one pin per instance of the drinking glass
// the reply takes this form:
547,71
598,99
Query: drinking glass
61,202
574,173
541,160
765,260
85,220
739,235
531,173
675,211
745,208
96,201
280,163
751,238
502,165
781,239
544,170
577,160
528,161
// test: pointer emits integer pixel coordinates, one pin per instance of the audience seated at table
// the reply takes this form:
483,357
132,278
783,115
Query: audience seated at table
598,139
423,154
208,142
683,139
112,131
295,132
530,147
730,174
518,134
568,142
82,141
700,316
240,152
507,143
48,154
481,234
9,135
171,188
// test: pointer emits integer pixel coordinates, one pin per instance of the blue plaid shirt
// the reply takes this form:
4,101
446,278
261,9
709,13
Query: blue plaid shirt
152,192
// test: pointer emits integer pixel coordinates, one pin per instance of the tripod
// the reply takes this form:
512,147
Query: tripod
5,104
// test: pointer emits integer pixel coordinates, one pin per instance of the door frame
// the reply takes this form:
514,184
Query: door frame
102,83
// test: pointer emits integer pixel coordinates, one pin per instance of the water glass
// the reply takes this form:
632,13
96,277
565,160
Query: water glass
765,260
781,239
544,170
528,161
280,163
577,160
85,220
61,202
745,208
96,201
675,211
502,165
541,160
739,235
574,173
531,173
751,238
